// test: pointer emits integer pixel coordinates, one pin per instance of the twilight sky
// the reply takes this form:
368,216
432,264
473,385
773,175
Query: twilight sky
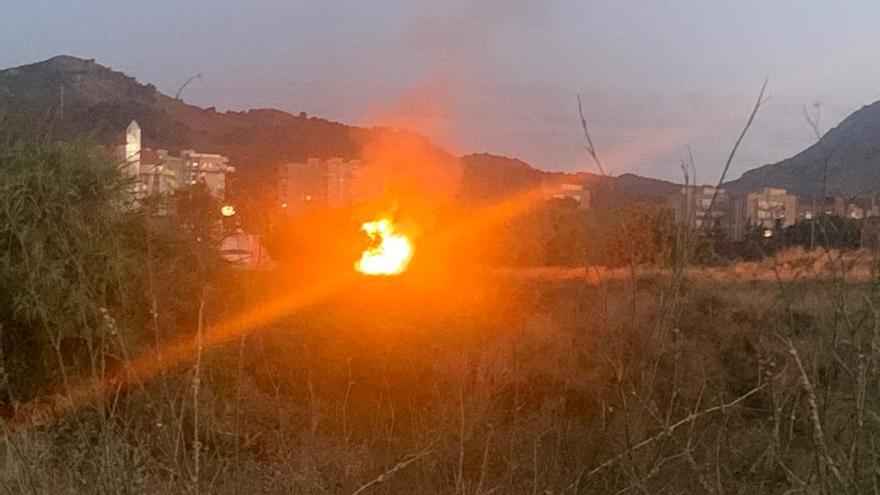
495,76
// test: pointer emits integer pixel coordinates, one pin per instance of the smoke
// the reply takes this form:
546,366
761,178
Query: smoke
453,42
457,44
401,165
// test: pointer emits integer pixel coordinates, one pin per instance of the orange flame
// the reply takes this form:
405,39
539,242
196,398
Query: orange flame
389,252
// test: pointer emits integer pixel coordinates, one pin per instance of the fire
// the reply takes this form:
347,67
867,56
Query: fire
388,254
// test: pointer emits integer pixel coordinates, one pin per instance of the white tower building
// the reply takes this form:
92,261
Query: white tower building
133,149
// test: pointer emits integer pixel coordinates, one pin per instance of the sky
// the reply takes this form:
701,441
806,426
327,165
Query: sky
657,77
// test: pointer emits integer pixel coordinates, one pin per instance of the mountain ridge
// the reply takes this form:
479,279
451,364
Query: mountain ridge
846,159
100,102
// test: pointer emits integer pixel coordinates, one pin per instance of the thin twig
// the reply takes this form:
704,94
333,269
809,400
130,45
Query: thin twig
760,101
196,387
591,148
387,474
813,405
667,431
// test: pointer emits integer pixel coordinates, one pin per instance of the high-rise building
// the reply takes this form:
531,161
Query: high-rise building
771,209
206,168
693,206
315,184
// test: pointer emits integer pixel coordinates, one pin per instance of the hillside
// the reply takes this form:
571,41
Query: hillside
100,102
490,176
851,151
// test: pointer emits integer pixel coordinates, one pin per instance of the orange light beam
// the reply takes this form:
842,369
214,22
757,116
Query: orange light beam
181,350
185,348
488,216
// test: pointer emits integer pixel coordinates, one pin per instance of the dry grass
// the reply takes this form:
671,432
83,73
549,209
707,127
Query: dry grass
712,384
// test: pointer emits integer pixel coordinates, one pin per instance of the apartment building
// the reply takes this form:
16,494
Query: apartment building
693,206
157,172
315,184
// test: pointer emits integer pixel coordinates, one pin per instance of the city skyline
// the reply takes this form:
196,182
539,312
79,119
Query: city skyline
498,77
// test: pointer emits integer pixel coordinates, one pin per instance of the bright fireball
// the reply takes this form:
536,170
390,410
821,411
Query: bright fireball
389,252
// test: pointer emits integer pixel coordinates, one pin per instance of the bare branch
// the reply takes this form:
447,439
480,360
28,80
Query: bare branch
814,122
387,474
591,148
813,406
185,84
666,432
760,101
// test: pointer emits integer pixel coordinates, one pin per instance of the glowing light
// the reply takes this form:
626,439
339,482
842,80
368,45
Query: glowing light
389,253
768,233
227,210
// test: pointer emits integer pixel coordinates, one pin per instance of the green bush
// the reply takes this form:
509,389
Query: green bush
63,262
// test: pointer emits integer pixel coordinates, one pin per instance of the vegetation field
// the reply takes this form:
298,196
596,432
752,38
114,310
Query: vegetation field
134,360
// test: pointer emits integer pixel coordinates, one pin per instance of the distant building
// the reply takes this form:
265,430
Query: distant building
854,211
693,206
771,209
207,168
316,184
343,181
571,192
814,207
806,210
855,208
862,207
131,150
738,219
157,172
833,205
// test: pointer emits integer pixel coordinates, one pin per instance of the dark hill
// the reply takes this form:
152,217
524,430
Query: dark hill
490,176
851,151
100,102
